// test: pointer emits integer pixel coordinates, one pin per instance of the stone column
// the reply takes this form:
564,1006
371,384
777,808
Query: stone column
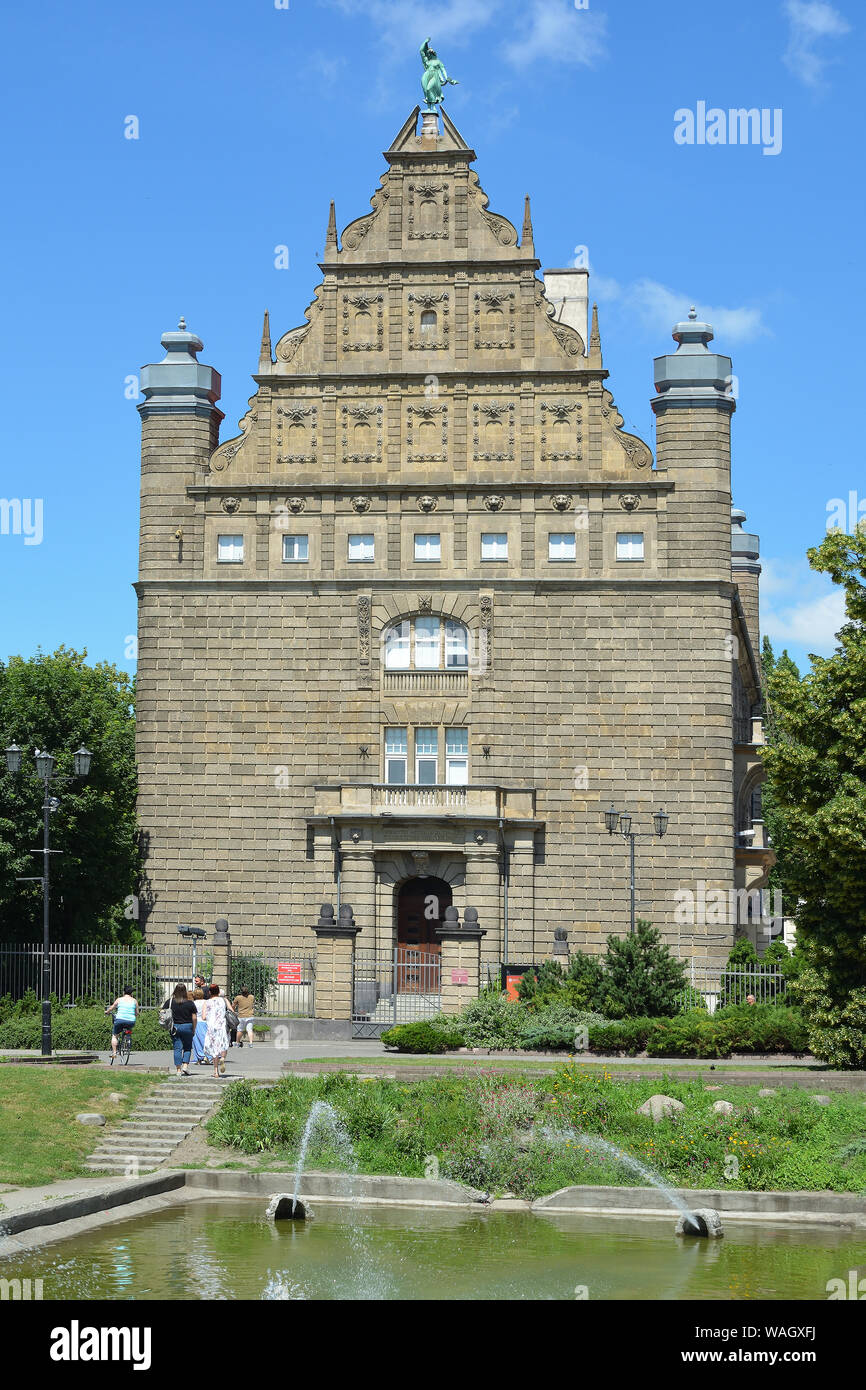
335,962
483,882
460,959
222,955
358,884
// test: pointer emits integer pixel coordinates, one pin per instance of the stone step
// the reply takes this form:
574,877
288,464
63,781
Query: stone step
112,1145
118,1166
196,1107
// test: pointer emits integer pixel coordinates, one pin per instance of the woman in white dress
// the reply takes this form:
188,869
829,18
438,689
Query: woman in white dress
217,1039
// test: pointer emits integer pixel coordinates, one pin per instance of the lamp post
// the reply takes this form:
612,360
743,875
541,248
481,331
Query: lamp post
45,772
621,820
195,934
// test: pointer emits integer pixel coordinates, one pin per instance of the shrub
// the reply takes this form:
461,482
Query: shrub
252,973
628,1035
556,1026
421,1037
641,976
492,1020
84,1030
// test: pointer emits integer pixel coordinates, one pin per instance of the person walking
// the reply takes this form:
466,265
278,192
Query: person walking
243,1005
127,1011
184,1017
217,1038
199,1054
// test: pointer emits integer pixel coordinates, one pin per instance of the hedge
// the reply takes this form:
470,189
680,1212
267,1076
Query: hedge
84,1030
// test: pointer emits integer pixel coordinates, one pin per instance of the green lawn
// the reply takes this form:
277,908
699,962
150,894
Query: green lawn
530,1135
40,1139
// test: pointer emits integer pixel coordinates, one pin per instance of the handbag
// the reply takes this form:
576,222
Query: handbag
165,1018
232,1020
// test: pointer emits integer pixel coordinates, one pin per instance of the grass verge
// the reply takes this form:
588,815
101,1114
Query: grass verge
42,1141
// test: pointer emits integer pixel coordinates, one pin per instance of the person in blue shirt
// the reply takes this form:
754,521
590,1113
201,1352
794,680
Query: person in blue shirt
127,1010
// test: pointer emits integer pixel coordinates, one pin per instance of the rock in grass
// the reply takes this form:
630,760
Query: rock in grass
767,1091
115,1097
723,1107
822,1100
660,1108
90,1119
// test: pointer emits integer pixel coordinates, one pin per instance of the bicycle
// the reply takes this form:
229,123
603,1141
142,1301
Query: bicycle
124,1047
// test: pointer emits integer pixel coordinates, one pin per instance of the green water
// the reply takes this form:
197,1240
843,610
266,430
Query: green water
228,1250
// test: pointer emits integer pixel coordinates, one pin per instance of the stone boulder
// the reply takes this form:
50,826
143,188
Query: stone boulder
767,1091
723,1107
660,1108
115,1097
90,1119
822,1100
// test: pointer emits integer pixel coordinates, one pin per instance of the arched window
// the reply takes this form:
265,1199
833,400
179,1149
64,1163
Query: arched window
426,644
428,324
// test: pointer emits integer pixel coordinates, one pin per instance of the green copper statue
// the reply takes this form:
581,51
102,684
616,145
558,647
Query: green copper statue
435,77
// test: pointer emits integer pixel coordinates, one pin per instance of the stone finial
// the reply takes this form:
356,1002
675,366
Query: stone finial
595,339
346,917
693,313
326,914
451,917
181,323
470,917
527,240
265,359
331,234
221,927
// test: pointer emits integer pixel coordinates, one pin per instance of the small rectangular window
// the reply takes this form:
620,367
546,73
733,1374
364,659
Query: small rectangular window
428,547
426,756
230,550
629,545
494,545
457,757
361,548
296,548
396,753
561,545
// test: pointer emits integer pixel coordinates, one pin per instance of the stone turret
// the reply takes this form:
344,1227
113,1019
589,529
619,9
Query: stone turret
693,411
745,572
180,429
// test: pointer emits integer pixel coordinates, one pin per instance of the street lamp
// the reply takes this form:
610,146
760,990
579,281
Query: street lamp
45,772
621,820
196,933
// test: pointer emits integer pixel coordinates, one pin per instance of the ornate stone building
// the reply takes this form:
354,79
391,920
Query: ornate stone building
432,611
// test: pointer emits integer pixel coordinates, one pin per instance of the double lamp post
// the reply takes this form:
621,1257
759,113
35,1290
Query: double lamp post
45,772
621,821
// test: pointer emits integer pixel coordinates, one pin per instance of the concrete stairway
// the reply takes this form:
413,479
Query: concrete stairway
155,1128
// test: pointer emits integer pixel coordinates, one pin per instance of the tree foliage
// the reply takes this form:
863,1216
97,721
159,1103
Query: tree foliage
57,702
641,977
816,766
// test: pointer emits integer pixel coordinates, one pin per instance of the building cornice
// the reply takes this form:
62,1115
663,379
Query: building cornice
484,584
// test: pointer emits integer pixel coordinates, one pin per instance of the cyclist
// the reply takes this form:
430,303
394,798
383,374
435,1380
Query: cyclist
127,1009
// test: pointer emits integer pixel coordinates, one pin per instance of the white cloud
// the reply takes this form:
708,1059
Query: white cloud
800,607
811,21
658,308
551,30
555,32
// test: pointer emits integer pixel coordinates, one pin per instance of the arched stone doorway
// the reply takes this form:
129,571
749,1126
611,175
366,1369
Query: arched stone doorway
420,909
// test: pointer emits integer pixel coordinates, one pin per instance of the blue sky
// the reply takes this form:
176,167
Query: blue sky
251,117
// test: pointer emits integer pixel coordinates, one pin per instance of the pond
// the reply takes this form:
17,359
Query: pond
227,1249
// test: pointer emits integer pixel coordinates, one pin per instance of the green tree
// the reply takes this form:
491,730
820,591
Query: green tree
641,977
777,672
816,766
57,702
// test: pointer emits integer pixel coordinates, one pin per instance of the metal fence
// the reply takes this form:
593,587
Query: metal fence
282,986
717,987
95,974
397,986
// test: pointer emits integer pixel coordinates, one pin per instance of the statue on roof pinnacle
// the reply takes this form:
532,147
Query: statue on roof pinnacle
434,77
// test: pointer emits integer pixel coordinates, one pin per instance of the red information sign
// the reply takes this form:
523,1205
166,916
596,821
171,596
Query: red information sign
460,977
288,972
511,983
